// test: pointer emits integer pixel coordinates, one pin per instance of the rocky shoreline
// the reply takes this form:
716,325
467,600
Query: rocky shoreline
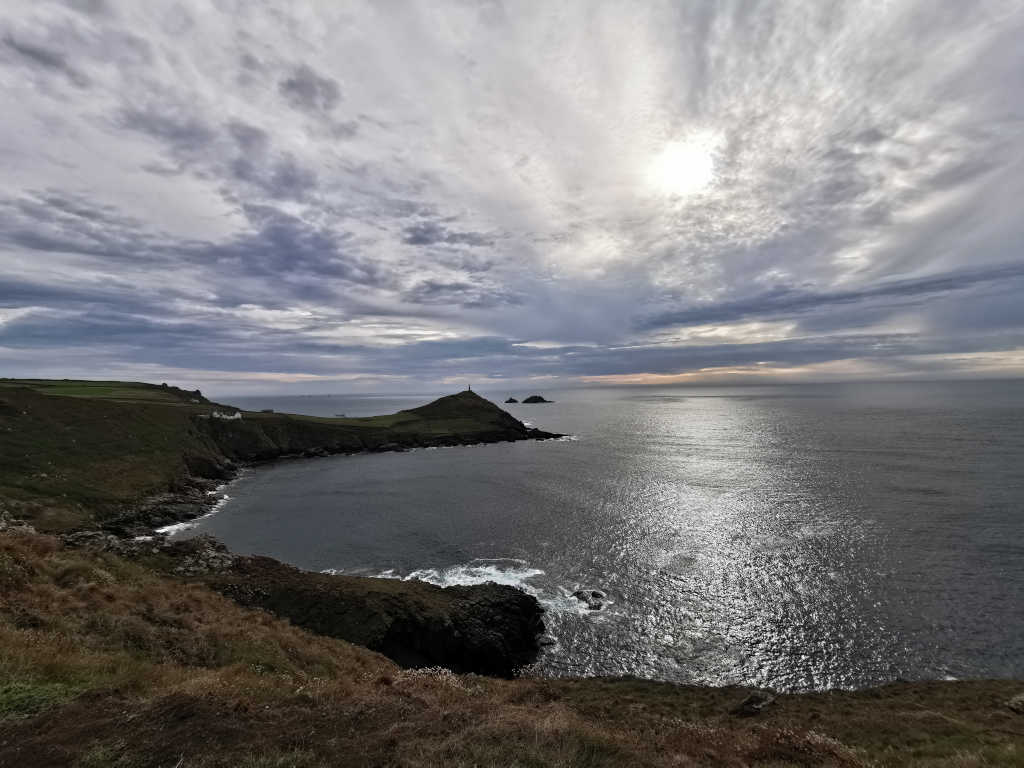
183,450
488,629
196,496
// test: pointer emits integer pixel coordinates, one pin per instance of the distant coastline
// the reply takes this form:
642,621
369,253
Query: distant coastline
172,447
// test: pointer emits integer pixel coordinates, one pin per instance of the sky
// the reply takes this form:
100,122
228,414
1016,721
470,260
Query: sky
289,196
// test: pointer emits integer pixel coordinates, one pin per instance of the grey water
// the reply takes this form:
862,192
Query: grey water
795,537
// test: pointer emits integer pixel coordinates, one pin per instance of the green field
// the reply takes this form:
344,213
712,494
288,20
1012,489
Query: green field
131,391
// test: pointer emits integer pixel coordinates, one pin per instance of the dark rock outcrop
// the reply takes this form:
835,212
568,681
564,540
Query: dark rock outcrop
511,400
489,629
197,556
752,705
1016,704
594,598
536,399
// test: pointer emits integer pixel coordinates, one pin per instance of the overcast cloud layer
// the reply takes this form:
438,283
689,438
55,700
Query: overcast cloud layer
401,196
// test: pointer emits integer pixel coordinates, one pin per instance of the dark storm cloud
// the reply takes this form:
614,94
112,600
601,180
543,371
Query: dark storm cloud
193,142
60,222
305,90
280,179
304,262
433,233
249,138
787,302
284,245
40,55
90,7
181,132
460,293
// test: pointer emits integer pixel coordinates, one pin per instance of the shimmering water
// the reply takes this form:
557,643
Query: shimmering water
794,537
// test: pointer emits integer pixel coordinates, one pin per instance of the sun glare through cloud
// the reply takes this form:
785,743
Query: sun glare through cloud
684,167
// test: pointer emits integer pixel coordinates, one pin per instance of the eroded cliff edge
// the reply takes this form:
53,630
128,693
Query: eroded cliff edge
140,455
103,471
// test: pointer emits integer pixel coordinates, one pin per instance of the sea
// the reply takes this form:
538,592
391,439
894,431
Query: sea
795,537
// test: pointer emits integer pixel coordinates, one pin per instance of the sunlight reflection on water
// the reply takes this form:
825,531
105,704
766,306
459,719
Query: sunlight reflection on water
793,538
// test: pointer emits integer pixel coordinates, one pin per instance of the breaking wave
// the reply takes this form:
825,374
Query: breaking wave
175,528
504,570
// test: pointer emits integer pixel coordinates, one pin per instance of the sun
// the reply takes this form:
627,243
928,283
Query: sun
683,168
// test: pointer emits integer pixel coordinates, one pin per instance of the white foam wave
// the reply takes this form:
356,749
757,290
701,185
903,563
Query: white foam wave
511,571
174,528
556,600
515,573
564,601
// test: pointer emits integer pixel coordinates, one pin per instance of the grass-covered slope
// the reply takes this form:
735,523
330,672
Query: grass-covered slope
74,453
124,391
484,628
106,663
67,460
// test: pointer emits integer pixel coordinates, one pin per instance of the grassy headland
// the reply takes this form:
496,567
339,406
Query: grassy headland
150,655
74,454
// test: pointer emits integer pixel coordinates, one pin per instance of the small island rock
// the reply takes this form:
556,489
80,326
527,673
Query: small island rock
536,399
511,400
594,598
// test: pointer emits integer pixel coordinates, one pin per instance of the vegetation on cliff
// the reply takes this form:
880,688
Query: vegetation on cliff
106,662
77,453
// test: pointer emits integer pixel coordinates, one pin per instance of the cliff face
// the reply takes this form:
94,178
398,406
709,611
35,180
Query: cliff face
73,460
489,629
146,457
458,419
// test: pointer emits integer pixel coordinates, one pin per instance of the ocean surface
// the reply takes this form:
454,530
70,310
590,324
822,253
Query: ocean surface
794,537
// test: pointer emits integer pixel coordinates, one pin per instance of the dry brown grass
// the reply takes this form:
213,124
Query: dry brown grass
104,663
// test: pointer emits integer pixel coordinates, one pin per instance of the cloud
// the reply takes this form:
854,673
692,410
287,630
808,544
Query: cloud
433,233
787,302
180,132
460,293
38,55
304,89
584,190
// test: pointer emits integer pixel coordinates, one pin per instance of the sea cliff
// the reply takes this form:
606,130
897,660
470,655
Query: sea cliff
128,456
102,471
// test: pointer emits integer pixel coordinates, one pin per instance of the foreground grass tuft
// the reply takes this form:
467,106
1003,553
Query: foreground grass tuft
20,699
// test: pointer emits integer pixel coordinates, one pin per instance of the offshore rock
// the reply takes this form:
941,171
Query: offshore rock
594,598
